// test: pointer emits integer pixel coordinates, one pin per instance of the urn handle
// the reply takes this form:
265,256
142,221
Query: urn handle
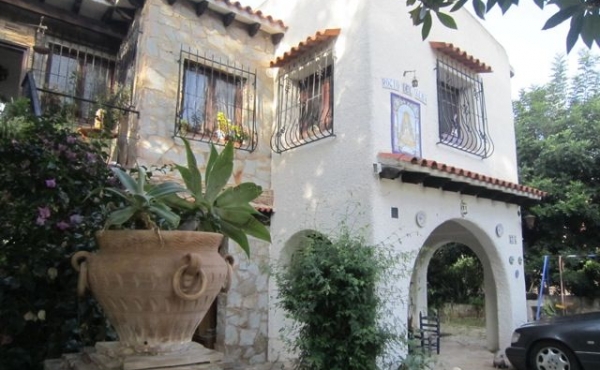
191,277
230,263
79,263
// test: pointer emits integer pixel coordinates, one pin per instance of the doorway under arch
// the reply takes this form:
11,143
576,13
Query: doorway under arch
494,273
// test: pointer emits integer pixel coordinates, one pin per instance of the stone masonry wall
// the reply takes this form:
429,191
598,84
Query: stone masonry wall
243,313
242,318
165,31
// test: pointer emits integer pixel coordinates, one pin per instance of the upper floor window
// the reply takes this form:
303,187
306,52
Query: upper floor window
77,79
461,108
216,102
305,93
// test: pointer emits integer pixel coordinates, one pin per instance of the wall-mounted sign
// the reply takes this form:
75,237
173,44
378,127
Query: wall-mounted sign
406,126
390,84
414,92
406,89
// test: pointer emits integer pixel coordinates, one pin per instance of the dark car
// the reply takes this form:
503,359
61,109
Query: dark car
558,343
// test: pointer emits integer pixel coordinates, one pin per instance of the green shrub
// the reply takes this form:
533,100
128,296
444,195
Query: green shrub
329,291
47,174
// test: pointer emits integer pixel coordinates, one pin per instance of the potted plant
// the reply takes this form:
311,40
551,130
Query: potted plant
228,131
154,280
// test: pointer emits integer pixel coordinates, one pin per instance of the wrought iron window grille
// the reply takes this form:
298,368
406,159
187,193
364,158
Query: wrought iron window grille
74,77
461,109
304,101
216,101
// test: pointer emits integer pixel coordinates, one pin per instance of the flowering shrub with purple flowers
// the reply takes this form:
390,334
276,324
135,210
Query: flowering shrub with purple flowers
48,210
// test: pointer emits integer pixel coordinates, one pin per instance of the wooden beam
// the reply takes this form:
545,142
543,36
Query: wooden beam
76,6
390,173
201,7
137,3
435,182
276,38
253,29
107,16
228,19
126,13
454,186
66,17
473,190
414,177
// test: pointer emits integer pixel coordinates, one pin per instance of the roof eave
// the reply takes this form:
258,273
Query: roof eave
246,15
393,165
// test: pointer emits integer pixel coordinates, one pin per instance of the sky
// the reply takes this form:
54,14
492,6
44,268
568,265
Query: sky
530,50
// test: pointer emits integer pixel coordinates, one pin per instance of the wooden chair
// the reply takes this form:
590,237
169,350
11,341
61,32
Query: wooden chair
429,332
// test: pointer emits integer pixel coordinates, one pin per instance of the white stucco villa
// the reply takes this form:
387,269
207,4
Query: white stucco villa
341,104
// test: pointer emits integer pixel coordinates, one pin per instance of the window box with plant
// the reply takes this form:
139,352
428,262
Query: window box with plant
157,274
216,102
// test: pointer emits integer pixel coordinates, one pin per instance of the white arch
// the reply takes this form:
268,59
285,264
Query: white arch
496,277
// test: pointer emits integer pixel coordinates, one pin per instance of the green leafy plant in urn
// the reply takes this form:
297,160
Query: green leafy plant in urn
157,279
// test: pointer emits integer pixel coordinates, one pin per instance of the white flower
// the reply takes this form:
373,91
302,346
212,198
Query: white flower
52,273
30,316
41,315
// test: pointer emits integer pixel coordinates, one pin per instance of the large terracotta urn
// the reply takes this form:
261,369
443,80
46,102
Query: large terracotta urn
154,286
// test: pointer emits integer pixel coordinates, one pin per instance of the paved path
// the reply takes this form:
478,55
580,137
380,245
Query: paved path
461,347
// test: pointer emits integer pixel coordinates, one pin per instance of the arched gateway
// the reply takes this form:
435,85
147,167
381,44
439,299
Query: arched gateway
496,274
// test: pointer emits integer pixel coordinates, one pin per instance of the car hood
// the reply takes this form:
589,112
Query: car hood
564,319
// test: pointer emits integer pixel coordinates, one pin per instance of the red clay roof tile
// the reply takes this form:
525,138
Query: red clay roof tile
461,56
311,42
246,9
463,173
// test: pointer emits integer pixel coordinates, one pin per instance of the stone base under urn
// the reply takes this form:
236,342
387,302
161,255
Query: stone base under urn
110,356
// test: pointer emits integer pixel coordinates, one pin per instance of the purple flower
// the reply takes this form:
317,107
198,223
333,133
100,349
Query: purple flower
40,221
70,154
76,219
51,183
44,212
63,225
62,148
91,157
71,139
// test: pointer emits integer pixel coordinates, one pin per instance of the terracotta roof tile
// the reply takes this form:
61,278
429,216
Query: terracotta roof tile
461,56
236,5
268,210
429,164
310,43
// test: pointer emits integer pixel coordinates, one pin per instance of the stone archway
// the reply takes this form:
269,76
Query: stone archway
495,275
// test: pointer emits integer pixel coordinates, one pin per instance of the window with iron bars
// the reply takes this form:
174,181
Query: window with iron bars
305,101
216,102
461,109
75,78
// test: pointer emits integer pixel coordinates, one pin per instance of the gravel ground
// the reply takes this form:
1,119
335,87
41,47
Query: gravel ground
461,348
464,348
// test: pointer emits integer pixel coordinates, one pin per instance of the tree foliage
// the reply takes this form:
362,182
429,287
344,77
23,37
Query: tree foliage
559,152
454,275
583,15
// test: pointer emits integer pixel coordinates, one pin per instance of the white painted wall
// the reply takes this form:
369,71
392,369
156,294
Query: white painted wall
316,184
396,46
